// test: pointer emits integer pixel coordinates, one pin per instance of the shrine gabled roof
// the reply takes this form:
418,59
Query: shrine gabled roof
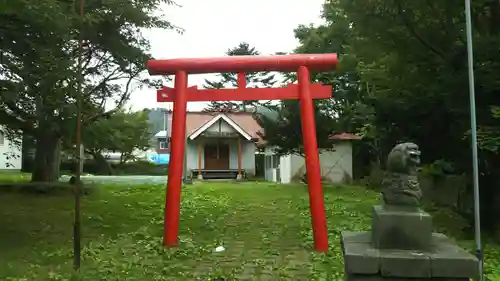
195,121
228,120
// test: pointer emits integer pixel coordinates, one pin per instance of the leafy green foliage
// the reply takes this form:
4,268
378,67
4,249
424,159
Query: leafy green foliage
95,167
284,131
229,80
403,77
39,70
346,112
125,132
489,136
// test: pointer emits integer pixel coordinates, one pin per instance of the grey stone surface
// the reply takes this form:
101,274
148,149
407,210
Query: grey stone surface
402,263
361,277
401,245
400,185
398,228
449,260
359,257
445,260
356,236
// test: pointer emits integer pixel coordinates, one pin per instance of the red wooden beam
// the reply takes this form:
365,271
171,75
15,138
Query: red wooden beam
318,91
283,63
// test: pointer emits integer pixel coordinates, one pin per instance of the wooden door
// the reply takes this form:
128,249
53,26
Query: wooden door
216,156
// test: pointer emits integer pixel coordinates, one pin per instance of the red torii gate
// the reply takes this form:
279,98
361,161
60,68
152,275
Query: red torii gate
304,91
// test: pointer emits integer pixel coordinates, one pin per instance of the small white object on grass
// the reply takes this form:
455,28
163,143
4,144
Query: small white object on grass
219,249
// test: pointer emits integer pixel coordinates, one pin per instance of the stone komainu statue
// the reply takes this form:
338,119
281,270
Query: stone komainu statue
400,185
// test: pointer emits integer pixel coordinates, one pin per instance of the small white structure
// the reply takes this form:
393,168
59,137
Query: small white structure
336,163
10,153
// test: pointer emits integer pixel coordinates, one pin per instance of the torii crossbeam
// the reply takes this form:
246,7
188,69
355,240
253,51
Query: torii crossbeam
304,91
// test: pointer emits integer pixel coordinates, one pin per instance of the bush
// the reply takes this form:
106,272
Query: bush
140,168
52,188
90,166
374,179
129,168
438,169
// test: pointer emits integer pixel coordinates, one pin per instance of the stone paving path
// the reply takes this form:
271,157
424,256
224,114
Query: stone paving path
263,245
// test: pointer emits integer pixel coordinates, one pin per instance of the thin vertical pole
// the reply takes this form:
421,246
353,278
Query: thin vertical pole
475,168
241,80
200,151
172,202
316,202
78,146
239,176
165,122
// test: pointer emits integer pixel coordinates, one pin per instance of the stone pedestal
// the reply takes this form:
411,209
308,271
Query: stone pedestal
200,176
239,177
401,246
400,228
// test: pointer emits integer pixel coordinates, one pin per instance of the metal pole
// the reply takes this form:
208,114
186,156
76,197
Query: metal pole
78,187
475,169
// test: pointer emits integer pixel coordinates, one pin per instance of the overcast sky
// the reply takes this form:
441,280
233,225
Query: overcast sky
212,27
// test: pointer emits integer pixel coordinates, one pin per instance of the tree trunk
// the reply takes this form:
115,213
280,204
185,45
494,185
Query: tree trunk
57,160
47,155
101,163
82,159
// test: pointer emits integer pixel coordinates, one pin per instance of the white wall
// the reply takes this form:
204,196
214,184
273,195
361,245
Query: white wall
224,127
247,156
336,166
192,155
7,149
271,169
286,168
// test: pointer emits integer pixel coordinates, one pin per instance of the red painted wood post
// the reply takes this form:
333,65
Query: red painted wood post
313,168
242,80
304,91
173,198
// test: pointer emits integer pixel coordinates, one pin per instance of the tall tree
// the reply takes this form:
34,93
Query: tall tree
410,76
283,130
38,73
126,132
229,80
342,113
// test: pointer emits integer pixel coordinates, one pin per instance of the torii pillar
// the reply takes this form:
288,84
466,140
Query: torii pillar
304,91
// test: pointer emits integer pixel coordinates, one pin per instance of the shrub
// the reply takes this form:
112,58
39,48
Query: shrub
438,169
129,168
48,188
140,168
374,179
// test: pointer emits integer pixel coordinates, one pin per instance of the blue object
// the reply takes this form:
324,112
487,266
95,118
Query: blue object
160,158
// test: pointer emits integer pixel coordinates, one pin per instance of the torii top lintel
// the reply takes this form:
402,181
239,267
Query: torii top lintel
282,63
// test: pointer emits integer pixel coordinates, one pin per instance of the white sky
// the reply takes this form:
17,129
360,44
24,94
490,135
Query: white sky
212,27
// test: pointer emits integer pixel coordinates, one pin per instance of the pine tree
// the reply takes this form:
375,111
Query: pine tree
229,80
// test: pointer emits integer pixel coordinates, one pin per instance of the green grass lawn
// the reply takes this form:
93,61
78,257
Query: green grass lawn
265,229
